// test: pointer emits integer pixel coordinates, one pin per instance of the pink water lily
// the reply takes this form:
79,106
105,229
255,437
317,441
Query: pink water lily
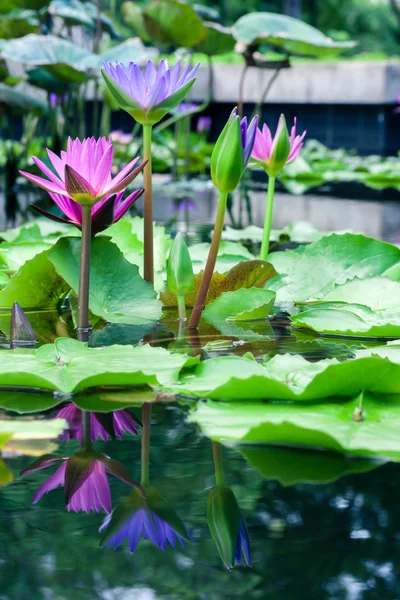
265,147
83,174
84,478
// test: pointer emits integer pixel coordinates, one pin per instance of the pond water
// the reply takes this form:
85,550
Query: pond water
321,525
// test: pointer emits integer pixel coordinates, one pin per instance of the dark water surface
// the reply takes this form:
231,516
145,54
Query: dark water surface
336,540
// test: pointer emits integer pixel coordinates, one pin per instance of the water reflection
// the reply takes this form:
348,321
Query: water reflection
337,540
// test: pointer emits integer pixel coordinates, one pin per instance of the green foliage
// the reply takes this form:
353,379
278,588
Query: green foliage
240,305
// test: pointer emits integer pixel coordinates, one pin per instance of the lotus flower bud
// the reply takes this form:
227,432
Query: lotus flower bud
227,160
21,331
280,149
227,526
180,278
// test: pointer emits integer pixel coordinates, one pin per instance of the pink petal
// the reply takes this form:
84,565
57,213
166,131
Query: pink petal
94,493
121,209
48,172
57,162
102,174
122,174
49,186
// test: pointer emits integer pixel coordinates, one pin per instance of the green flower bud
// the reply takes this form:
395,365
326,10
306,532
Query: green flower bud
280,149
227,160
180,278
223,516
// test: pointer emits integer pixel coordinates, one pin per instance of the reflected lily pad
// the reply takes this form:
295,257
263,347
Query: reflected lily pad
291,466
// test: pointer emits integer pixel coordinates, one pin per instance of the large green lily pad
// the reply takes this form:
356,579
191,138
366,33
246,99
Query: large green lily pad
173,22
69,366
117,292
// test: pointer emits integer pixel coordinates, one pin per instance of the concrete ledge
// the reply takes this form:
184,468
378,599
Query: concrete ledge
312,83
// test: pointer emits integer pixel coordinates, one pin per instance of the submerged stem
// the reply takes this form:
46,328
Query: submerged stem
148,206
85,425
211,260
268,219
181,308
146,422
83,293
219,468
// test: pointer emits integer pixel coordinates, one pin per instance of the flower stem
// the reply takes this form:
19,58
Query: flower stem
83,294
148,206
85,425
219,468
268,219
146,421
211,260
181,308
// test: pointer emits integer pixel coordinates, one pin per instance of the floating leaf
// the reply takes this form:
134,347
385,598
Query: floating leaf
291,377
341,318
242,304
117,292
325,425
68,366
332,261
378,293
35,285
16,255
252,273
229,254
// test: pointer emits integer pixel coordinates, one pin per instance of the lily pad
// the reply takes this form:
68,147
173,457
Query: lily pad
341,318
229,254
252,273
291,377
332,261
379,293
324,425
243,304
219,40
117,292
173,23
16,255
69,366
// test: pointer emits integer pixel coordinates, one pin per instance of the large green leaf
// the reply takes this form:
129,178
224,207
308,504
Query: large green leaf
20,101
219,40
332,261
27,402
229,254
341,318
133,16
63,59
36,285
291,466
378,293
242,304
16,255
68,366
117,292
291,377
326,425
290,35
17,23
173,23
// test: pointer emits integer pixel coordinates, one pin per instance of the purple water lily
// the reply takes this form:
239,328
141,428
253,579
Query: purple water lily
83,174
248,134
204,124
243,544
137,516
265,145
84,478
102,425
155,85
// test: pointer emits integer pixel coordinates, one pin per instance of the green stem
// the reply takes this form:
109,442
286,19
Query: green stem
105,122
146,422
181,308
268,219
85,425
148,206
211,260
219,468
83,294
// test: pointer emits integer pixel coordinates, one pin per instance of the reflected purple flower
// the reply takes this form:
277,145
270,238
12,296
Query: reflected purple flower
151,517
243,544
102,425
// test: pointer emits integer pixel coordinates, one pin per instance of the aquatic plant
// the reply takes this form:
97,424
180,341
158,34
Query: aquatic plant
229,159
273,154
148,98
102,425
180,278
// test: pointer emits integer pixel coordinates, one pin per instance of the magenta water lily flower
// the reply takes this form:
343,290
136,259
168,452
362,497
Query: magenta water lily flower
102,425
151,516
274,153
148,96
84,478
83,174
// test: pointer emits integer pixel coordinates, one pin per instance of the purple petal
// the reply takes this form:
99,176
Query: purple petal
102,175
48,172
124,421
122,208
49,186
94,493
56,480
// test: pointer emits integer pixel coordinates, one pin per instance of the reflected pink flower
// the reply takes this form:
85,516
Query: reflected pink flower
265,145
84,478
102,425
120,137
